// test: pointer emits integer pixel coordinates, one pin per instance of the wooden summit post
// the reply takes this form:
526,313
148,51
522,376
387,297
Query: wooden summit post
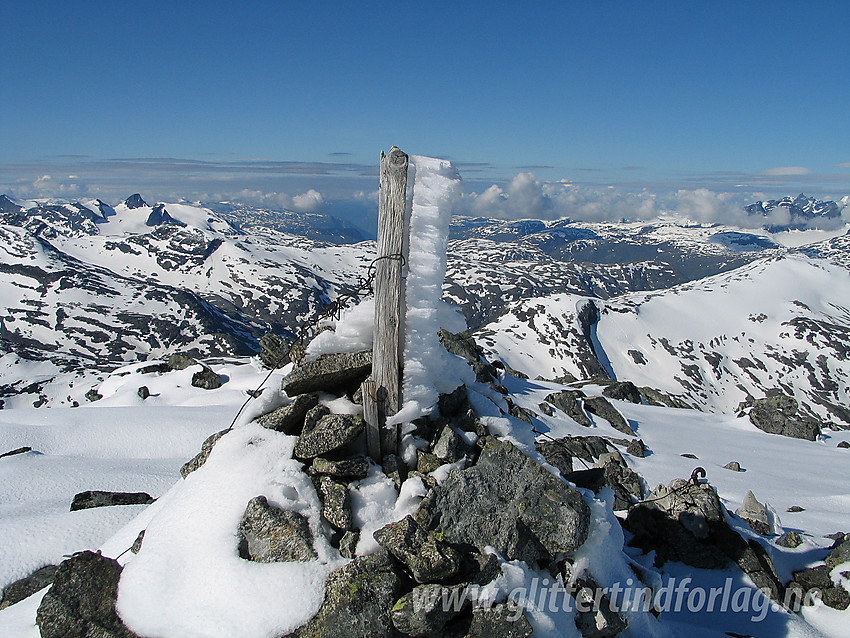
382,391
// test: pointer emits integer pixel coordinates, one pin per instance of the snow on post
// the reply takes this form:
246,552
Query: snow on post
409,315
429,370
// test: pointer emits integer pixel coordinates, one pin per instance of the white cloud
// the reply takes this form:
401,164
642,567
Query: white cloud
309,202
787,171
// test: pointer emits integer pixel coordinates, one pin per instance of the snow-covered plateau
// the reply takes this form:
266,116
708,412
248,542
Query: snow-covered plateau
657,409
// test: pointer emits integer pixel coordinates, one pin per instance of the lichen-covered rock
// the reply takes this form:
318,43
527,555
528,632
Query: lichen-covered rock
734,466
350,468
329,373
422,613
567,401
98,498
336,500
270,534
839,554
179,361
508,502
330,433
81,601
348,544
503,620
358,601
201,457
448,446
26,587
427,557
289,418
600,406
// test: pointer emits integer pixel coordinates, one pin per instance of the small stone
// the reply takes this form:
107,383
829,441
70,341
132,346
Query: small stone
143,392
271,534
733,465
789,539
137,544
688,455
844,444
206,379
348,544
20,450
332,432
336,501
546,409
796,508
428,558
836,597
96,498
395,469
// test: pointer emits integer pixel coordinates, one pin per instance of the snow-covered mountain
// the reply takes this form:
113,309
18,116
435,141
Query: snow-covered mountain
795,212
781,322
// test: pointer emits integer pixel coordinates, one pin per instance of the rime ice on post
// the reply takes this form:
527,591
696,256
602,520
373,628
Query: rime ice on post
408,321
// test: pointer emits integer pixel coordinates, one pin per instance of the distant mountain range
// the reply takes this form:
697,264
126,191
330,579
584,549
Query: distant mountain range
801,210
88,285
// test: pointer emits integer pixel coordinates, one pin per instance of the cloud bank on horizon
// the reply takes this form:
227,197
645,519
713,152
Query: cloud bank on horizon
348,190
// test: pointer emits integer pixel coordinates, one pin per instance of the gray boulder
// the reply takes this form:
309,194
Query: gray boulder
330,433
509,502
623,390
733,466
567,401
269,534
778,413
560,452
448,446
289,418
601,621
636,447
661,399
179,361
358,600
201,457
81,601
97,498
206,379
329,373
27,586
755,514
685,521
600,406
427,557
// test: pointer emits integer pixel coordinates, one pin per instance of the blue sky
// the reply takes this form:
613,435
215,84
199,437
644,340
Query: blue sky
275,99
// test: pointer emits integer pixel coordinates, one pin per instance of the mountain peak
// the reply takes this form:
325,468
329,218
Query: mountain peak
134,201
8,206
